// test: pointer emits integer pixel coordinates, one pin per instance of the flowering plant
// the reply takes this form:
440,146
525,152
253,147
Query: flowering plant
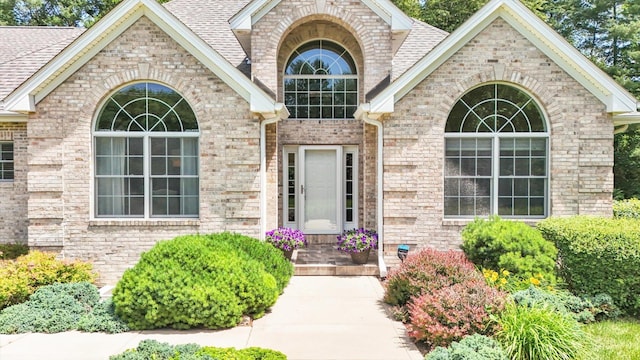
357,240
286,238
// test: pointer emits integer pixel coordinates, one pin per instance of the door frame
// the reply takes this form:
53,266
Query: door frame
293,179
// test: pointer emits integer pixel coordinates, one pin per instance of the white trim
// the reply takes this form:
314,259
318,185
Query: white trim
255,10
616,98
13,117
382,267
110,27
263,174
339,188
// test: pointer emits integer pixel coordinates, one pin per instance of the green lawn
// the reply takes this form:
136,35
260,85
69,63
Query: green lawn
616,340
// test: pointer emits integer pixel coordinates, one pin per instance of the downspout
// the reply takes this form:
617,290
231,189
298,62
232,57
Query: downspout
263,173
280,112
379,197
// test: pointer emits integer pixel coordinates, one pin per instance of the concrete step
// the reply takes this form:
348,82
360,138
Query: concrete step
325,260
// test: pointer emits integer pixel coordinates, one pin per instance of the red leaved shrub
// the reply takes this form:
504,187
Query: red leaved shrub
425,272
453,312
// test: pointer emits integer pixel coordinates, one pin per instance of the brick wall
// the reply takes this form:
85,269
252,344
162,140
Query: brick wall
581,178
13,194
60,153
348,22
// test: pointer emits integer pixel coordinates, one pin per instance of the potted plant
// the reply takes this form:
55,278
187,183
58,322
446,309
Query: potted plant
358,243
286,239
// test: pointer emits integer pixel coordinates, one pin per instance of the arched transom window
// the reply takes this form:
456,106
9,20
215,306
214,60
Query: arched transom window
496,155
146,154
321,82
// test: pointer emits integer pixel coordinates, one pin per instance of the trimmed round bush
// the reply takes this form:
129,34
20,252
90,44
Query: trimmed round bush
598,256
448,314
499,244
21,277
251,249
473,347
538,332
194,281
426,271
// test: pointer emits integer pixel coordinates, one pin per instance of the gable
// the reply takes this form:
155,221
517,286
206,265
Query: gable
109,28
616,99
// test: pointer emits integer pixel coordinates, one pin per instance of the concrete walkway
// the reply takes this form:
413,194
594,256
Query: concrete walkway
317,317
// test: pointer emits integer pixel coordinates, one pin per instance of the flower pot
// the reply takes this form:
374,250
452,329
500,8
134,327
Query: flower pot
287,254
360,257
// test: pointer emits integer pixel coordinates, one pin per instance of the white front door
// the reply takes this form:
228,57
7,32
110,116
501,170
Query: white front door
320,188
320,200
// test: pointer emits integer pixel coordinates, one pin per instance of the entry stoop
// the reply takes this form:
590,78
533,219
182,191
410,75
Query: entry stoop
324,260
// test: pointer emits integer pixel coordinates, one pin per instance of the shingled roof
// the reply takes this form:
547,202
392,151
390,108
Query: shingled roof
24,50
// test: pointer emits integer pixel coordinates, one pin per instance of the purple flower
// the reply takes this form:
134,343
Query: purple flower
286,238
357,240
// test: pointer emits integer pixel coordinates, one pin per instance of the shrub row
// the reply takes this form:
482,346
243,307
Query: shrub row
442,297
201,281
598,256
21,277
152,349
61,307
514,246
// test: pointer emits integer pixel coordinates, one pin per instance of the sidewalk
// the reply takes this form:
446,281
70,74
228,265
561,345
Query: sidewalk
317,317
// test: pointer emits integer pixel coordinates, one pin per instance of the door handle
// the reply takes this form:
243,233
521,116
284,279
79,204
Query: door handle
301,189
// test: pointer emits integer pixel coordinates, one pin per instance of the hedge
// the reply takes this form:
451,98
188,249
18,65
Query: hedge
598,256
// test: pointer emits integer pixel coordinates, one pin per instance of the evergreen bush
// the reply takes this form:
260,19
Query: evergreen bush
473,347
499,244
194,281
12,251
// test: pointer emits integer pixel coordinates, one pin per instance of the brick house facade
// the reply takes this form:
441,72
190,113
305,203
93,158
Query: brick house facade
375,145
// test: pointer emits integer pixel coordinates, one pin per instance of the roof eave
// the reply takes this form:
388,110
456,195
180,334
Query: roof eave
614,96
117,21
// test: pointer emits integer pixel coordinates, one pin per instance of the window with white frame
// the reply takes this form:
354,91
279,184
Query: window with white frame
6,161
146,154
496,155
321,82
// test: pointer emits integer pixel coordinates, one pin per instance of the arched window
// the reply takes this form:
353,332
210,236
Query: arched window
496,155
146,154
321,82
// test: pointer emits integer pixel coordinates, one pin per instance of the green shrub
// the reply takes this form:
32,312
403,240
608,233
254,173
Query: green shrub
509,245
12,251
537,332
252,353
584,310
152,349
21,277
193,281
51,309
598,256
102,319
473,347
251,249
628,208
